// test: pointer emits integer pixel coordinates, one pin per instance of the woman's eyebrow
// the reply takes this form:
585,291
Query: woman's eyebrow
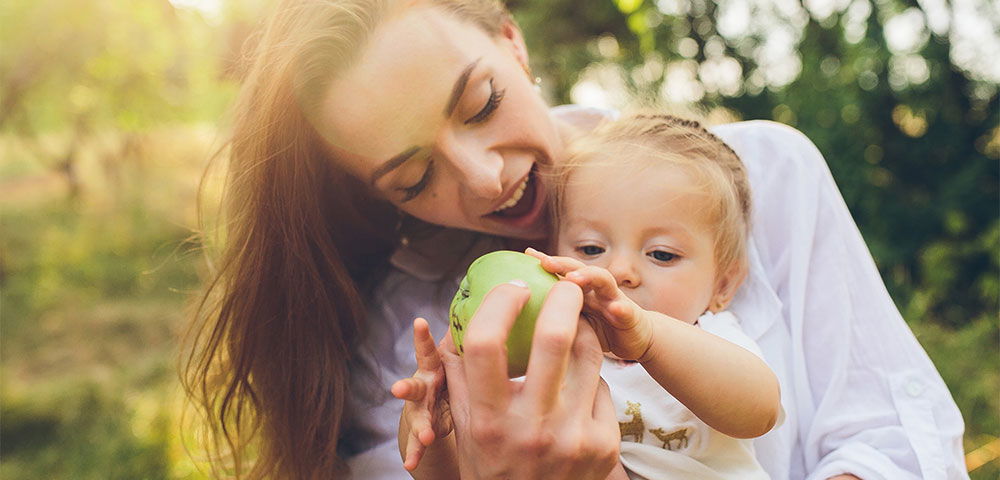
393,163
459,88
456,94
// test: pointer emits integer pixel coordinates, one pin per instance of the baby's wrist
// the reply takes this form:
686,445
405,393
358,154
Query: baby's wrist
644,326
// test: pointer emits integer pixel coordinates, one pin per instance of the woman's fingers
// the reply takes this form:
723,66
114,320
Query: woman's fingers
485,346
551,345
606,421
458,389
584,372
604,409
426,352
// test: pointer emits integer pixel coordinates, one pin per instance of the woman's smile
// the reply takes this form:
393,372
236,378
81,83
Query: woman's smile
524,207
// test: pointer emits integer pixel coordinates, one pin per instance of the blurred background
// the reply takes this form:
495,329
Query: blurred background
110,110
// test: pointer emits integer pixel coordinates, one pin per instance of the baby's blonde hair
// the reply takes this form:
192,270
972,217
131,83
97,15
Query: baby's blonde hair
641,141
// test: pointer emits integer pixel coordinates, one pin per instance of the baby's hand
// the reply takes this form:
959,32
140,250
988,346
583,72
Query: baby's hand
426,414
621,325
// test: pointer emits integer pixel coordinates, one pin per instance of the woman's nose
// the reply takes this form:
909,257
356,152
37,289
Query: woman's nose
479,169
480,174
623,269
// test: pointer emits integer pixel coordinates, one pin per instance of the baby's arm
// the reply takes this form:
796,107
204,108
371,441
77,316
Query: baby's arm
726,386
618,473
426,440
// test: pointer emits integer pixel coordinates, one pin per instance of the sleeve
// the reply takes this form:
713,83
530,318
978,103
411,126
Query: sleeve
868,399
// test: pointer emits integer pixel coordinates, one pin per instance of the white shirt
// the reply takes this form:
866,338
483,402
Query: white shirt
860,394
661,438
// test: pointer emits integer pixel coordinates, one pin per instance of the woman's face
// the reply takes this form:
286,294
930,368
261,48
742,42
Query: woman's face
443,120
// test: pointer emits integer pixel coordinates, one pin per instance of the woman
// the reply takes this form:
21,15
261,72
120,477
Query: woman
363,127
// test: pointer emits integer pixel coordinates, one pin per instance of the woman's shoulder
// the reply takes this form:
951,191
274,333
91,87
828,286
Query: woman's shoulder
765,144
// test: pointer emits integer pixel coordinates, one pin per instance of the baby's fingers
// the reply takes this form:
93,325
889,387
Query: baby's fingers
414,452
622,314
410,389
556,265
424,347
421,437
596,279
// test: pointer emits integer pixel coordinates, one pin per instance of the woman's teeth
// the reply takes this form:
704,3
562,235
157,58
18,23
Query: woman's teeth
516,197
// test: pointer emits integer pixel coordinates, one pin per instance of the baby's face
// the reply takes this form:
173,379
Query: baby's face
651,229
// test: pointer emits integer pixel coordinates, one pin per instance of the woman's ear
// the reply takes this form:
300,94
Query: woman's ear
726,286
511,33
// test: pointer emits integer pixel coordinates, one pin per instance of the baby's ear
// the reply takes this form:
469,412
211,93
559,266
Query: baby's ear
726,285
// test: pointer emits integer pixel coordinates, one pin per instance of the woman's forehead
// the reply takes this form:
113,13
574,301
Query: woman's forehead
396,94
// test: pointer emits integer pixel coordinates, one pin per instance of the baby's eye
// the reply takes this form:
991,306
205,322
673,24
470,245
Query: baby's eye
590,250
663,256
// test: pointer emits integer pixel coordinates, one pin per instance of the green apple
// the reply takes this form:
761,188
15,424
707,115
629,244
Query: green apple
489,271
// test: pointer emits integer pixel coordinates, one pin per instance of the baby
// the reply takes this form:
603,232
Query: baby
652,214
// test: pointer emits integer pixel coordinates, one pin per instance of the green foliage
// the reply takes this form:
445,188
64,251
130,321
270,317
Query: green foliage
126,65
81,433
93,291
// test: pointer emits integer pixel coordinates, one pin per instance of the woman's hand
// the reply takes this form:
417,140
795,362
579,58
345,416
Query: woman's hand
621,325
426,416
559,422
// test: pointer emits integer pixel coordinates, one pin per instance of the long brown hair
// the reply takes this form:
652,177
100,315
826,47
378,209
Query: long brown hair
282,317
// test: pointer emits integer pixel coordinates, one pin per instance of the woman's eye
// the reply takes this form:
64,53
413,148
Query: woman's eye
663,256
409,193
590,250
491,105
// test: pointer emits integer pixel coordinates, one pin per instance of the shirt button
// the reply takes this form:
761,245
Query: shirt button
914,388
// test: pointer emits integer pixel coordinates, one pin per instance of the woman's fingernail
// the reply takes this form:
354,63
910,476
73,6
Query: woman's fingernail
519,283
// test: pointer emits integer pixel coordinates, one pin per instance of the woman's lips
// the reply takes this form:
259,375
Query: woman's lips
527,209
523,204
